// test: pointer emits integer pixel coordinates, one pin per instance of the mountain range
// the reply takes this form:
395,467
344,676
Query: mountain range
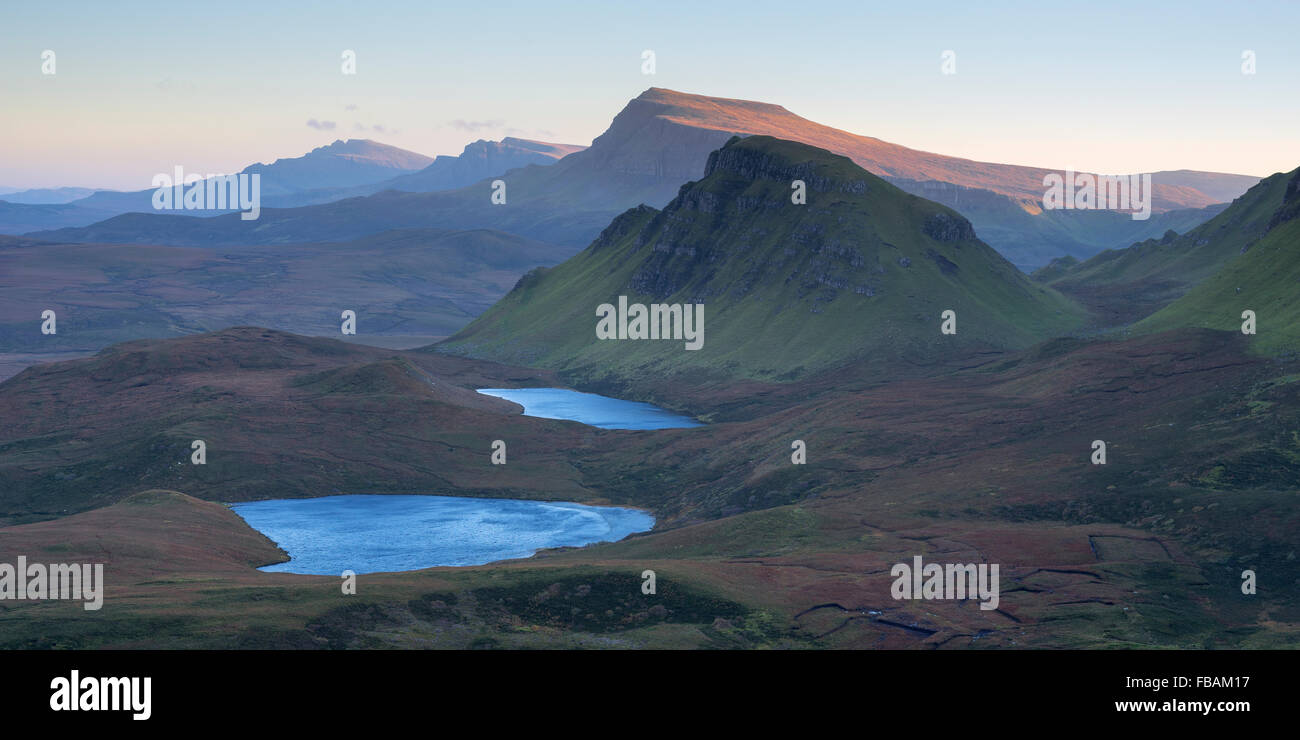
861,272
343,169
660,140
44,196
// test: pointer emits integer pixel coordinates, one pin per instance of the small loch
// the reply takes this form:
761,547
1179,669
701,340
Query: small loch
591,408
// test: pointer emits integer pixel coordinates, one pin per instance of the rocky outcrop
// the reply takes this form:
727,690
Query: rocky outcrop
625,223
752,164
1290,202
948,227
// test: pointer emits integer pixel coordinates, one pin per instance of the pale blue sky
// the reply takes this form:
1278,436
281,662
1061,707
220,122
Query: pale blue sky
1104,86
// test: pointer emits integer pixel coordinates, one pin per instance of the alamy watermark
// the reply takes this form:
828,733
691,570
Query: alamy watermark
656,321
1087,192
102,694
949,581
242,192
38,581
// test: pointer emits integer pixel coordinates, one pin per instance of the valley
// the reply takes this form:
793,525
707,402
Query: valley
754,550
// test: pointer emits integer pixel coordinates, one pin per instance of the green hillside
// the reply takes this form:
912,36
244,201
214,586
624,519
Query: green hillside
1152,273
1266,280
862,271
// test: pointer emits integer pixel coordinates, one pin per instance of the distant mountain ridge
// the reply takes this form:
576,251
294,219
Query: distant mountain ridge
343,169
44,196
480,159
662,138
1173,190
343,163
340,164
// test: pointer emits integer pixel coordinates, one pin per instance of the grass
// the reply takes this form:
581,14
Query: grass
1198,278
895,469
1266,280
981,460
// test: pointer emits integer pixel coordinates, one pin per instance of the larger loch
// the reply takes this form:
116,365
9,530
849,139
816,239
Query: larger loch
382,533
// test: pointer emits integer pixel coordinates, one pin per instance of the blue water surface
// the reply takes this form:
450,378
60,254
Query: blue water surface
590,408
369,534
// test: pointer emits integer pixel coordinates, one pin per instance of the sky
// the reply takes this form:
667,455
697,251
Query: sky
141,87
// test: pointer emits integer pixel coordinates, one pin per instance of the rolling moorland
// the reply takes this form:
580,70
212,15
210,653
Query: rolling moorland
975,450
105,293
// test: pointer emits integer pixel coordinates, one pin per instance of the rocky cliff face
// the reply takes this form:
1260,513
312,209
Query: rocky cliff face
948,227
662,138
1290,208
761,165
641,142
821,262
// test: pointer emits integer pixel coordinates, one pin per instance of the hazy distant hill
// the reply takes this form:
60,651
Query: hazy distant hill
44,196
362,166
337,165
341,164
480,159
23,218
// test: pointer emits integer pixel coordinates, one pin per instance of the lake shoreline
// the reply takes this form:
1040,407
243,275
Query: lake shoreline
382,533
592,409
629,507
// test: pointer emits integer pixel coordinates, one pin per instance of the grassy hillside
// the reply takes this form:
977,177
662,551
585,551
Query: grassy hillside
862,272
1129,284
1264,280
280,414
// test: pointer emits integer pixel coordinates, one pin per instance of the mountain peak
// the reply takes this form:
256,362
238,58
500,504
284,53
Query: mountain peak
657,107
666,96
352,146
514,145
343,163
859,271
358,150
769,158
